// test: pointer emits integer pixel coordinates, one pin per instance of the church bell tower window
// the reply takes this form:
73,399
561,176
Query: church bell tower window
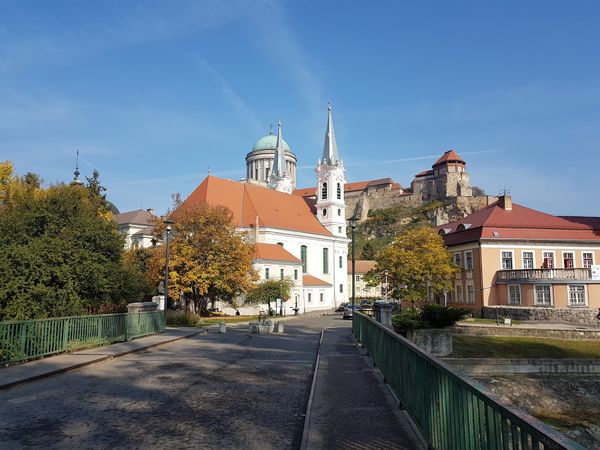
339,191
324,191
324,212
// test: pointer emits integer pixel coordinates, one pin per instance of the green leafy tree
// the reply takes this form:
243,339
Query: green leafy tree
269,291
415,260
58,254
209,259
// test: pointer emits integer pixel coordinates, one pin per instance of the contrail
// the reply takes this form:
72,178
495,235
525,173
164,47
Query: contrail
391,161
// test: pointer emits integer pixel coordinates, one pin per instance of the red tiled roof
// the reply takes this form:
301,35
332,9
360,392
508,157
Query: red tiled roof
351,187
274,252
309,280
247,201
449,156
495,222
424,173
362,266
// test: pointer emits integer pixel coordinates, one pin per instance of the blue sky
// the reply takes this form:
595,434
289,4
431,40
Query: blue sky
152,93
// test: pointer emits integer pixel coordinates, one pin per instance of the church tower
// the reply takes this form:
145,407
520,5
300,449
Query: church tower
279,178
331,205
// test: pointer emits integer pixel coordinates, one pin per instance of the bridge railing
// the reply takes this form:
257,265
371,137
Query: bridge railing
452,412
28,339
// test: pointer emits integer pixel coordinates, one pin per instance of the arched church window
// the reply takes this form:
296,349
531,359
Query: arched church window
339,191
324,191
303,257
324,212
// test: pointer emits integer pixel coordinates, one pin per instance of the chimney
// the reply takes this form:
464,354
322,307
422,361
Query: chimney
505,202
150,210
256,231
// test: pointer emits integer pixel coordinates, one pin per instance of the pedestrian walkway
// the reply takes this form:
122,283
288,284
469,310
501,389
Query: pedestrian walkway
33,370
350,408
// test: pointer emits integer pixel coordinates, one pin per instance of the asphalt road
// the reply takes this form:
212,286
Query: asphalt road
212,391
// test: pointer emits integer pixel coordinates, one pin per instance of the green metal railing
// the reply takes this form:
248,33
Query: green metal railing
451,411
27,339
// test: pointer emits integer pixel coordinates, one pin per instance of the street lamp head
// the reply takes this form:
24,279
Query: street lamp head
168,223
352,221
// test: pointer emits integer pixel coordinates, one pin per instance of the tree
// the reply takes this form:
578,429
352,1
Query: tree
209,259
58,254
270,290
415,260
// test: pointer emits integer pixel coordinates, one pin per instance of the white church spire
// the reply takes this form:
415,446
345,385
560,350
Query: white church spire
279,169
330,153
279,178
331,204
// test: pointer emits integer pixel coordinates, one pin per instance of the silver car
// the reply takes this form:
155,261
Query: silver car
348,311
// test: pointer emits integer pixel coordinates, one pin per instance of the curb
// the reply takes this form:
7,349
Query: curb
94,361
306,429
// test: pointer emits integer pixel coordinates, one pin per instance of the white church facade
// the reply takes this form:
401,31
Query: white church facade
304,241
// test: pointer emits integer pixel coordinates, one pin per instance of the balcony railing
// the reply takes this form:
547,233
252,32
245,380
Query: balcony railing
544,274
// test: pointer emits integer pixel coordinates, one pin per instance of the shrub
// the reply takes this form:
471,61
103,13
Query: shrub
436,316
182,319
430,316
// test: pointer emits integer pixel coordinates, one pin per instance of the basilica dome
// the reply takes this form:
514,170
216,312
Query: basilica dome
269,142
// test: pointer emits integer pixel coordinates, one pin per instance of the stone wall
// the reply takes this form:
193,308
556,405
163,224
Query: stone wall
507,330
575,315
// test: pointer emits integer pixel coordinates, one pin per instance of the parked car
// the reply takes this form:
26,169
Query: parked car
342,306
348,311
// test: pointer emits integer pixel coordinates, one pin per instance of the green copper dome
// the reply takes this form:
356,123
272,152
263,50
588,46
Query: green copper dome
269,142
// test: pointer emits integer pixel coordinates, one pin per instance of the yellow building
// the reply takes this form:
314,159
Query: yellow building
515,256
363,290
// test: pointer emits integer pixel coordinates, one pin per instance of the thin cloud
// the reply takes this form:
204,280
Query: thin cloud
236,102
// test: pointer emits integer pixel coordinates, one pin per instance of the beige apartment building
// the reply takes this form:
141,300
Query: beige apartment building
363,290
516,256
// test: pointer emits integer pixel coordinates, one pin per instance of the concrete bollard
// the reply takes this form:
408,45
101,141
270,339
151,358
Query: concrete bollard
383,313
222,327
279,327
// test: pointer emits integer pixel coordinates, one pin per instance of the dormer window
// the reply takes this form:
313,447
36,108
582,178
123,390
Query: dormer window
463,226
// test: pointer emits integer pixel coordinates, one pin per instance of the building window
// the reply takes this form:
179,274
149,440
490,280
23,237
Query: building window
507,260
256,173
340,230
341,288
514,294
357,277
266,173
325,260
528,260
339,212
303,257
324,191
548,260
470,294
568,260
469,261
321,297
280,244
309,297
281,274
457,261
543,294
459,295
577,295
339,191
295,274
266,273
341,262
324,212
588,260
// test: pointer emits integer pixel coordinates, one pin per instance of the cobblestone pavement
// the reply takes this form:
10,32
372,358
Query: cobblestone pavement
211,391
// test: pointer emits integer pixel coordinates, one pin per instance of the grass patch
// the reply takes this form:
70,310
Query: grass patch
227,319
523,347
559,420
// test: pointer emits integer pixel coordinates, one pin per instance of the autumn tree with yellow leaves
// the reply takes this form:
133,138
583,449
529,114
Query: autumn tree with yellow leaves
415,260
209,259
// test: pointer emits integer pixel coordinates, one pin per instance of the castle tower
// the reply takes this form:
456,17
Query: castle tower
279,178
331,205
450,177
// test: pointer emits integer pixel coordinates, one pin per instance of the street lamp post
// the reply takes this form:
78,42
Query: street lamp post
385,274
353,226
168,223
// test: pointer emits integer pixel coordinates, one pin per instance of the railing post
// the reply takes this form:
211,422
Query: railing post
65,338
23,337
